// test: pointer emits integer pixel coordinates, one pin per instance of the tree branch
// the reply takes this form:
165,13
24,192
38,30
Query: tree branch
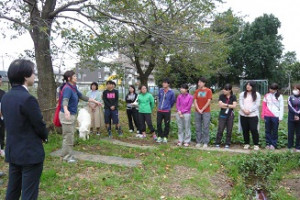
75,19
64,7
16,21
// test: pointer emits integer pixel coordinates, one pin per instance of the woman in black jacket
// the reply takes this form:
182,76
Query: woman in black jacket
132,109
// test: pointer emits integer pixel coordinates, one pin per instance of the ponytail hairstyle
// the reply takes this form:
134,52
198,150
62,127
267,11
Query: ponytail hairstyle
274,86
253,92
68,74
131,86
228,86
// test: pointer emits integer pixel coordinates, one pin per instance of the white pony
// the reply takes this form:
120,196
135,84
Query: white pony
84,122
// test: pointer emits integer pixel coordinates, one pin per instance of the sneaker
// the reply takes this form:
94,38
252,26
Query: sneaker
198,145
2,153
165,140
268,147
137,135
186,144
154,137
120,132
159,140
130,130
109,134
138,132
246,146
217,146
272,147
2,174
227,146
143,136
179,143
72,160
98,133
297,150
256,147
204,146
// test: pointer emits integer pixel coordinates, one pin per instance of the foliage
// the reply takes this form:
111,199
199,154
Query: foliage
159,29
259,48
260,171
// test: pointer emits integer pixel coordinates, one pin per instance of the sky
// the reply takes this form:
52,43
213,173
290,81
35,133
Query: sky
287,11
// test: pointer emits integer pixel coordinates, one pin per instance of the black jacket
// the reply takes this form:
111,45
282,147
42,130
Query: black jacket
25,127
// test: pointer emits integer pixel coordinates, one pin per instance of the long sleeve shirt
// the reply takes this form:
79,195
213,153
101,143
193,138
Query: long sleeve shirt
184,103
110,98
248,103
272,107
294,107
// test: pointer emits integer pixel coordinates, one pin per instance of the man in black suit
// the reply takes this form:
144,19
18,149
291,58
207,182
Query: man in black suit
26,131
2,128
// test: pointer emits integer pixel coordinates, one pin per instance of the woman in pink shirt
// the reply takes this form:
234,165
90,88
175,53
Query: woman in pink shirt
183,116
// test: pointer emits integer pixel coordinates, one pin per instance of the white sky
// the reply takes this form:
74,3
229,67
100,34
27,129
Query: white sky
287,11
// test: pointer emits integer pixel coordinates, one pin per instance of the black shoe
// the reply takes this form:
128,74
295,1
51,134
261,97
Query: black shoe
120,133
98,133
109,134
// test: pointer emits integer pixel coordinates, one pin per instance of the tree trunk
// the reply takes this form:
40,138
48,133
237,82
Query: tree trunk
144,79
46,84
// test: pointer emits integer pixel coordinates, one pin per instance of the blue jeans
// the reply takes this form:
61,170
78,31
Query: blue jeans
271,128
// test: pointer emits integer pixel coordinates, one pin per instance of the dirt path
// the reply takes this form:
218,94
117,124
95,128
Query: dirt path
111,160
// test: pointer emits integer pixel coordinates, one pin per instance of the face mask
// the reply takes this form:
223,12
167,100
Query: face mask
296,92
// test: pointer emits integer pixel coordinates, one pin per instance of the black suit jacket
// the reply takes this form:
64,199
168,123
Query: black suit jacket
25,127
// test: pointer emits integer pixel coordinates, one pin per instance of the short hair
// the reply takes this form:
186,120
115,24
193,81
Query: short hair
68,74
95,84
140,88
19,70
166,80
202,79
297,86
109,82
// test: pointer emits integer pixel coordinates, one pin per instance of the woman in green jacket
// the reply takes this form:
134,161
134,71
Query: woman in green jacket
146,105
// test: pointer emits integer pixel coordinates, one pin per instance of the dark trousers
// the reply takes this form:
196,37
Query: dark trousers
2,134
145,117
166,116
250,124
24,178
271,128
293,127
228,124
132,114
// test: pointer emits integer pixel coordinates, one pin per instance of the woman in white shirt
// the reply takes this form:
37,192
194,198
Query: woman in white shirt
249,113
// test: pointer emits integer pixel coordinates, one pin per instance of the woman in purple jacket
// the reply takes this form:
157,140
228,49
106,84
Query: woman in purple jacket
183,116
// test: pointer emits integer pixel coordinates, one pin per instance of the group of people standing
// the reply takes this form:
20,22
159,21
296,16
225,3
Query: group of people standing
140,106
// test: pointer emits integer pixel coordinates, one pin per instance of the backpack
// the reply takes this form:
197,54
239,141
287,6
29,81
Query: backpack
56,120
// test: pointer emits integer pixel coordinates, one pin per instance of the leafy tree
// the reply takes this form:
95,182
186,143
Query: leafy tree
259,48
158,29
41,18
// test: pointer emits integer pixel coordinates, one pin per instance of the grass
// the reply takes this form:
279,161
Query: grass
166,172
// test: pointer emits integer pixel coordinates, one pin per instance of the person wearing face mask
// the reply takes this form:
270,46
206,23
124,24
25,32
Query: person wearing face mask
272,113
293,118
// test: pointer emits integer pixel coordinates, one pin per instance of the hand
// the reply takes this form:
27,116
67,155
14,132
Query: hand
181,115
93,109
247,112
67,115
296,118
112,107
200,111
98,103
